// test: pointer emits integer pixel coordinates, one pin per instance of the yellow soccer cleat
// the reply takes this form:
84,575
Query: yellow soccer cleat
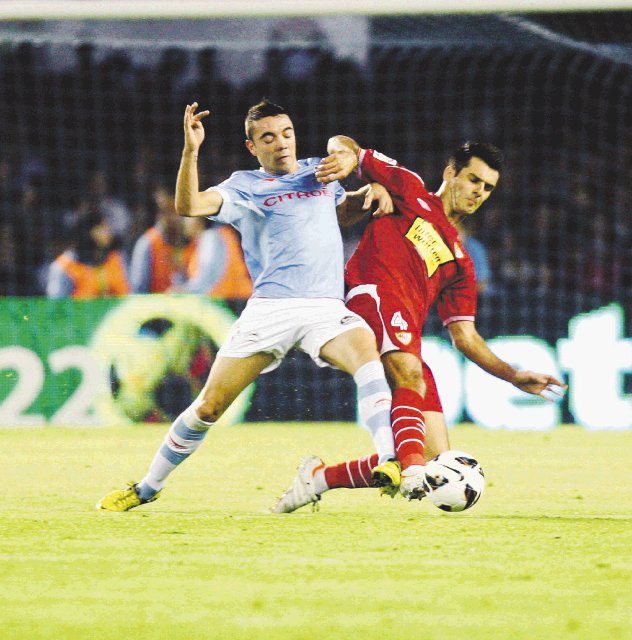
123,499
387,476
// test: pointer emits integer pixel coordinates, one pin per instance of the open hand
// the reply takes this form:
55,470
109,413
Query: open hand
193,128
540,384
336,166
379,194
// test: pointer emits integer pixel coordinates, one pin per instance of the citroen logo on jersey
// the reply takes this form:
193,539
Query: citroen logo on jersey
293,196
423,204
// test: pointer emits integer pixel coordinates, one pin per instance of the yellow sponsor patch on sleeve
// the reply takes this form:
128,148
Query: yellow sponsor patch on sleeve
429,244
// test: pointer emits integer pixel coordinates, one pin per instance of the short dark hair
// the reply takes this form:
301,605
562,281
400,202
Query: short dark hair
488,153
263,109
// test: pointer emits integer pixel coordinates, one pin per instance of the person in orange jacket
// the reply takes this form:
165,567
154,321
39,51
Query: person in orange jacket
215,261
159,258
92,267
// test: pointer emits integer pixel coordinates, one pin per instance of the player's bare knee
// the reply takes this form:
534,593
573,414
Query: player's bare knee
415,383
408,378
212,405
403,370
209,412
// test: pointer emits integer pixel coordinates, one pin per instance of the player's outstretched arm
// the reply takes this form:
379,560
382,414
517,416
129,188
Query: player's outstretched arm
471,344
189,200
341,161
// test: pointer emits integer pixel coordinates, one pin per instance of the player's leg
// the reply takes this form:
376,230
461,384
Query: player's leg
315,478
355,352
227,379
404,372
436,434
424,434
352,474
257,342
436,428
355,474
396,323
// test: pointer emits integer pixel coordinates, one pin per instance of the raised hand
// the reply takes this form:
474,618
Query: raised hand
193,128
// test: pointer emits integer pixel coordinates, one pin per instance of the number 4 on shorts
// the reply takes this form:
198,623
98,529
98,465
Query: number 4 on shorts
398,321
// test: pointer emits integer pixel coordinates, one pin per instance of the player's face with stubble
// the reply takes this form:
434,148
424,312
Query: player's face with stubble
471,186
273,143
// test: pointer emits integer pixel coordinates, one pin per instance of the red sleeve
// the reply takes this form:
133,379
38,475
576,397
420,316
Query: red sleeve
458,301
376,167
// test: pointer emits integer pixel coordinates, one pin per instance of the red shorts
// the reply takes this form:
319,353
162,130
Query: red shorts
396,328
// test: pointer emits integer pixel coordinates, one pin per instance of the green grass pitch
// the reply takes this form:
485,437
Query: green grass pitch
546,553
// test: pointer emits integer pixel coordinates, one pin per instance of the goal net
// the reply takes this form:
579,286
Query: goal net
94,108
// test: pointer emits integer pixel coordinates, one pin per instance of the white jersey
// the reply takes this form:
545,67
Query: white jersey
289,231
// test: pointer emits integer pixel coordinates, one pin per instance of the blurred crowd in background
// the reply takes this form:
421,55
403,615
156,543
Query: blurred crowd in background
90,155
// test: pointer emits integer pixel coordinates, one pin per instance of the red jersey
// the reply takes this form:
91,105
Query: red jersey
415,254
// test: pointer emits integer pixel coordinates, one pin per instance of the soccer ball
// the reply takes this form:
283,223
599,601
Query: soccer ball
454,481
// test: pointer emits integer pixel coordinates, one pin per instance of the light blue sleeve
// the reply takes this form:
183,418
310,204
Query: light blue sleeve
140,268
237,198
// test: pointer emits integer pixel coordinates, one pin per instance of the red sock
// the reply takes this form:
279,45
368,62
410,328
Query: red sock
351,475
409,428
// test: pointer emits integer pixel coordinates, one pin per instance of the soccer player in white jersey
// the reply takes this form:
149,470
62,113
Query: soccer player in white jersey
292,245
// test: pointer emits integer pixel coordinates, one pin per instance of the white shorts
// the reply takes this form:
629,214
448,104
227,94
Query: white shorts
275,325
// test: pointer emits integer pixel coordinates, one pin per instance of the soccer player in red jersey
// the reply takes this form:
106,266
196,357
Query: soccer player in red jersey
405,263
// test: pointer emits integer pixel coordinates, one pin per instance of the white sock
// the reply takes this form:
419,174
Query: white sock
374,407
183,438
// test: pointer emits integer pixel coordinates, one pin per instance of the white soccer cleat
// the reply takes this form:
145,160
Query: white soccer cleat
412,486
301,492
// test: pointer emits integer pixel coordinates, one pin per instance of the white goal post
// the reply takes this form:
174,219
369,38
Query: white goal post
123,9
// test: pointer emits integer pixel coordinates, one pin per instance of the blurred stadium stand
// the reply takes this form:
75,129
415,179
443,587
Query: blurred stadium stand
552,90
